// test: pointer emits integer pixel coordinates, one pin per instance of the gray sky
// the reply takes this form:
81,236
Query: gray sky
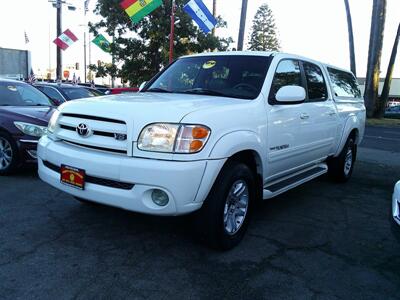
312,28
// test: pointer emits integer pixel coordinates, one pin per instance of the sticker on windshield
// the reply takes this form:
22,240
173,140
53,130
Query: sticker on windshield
12,88
209,64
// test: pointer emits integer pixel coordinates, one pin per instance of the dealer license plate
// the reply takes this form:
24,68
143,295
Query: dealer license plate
73,177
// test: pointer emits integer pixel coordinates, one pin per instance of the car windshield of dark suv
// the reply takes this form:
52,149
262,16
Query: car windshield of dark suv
235,76
21,94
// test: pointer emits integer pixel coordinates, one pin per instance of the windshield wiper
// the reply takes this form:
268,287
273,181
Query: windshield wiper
158,90
205,92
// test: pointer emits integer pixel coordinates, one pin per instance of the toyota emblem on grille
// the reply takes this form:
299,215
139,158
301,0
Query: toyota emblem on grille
83,130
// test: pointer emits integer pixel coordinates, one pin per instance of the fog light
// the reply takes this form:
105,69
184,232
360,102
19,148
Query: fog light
159,197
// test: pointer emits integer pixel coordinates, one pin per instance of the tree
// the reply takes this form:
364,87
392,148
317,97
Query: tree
351,38
374,56
141,50
264,32
381,105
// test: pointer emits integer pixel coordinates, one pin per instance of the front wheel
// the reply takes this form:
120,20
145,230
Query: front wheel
341,168
224,217
8,154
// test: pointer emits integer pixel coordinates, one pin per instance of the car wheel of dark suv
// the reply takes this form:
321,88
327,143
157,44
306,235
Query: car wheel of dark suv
8,154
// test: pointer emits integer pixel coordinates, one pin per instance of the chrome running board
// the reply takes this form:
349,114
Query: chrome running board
282,185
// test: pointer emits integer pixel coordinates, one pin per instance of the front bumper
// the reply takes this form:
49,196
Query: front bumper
396,203
186,183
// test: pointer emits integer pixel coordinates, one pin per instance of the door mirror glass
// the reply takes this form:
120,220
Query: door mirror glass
142,86
291,93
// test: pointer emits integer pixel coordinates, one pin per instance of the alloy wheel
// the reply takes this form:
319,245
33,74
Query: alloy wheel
6,154
236,206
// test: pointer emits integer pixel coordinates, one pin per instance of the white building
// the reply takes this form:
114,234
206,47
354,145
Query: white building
394,94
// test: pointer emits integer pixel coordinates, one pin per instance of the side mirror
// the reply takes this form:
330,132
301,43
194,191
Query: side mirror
142,86
291,93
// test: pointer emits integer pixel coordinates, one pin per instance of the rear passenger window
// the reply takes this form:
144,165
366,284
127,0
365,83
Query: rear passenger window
344,84
287,73
316,86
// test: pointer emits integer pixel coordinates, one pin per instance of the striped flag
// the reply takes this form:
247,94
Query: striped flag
201,15
138,9
32,77
66,39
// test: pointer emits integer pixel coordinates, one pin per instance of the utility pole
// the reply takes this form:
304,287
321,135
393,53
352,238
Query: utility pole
59,25
214,14
242,25
84,54
171,35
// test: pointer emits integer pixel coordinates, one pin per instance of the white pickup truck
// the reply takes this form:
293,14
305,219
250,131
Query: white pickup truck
211,133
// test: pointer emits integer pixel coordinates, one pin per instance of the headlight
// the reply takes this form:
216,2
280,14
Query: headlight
53,121
173,138
31,129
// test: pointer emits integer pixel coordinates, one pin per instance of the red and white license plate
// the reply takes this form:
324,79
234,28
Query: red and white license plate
73,177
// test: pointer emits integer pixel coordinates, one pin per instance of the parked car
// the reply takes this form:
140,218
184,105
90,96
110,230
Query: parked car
395,211
24,115
392,112
115,91
61,93
101,88
396,203
209,134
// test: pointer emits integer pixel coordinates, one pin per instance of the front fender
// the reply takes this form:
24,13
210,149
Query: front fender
236,141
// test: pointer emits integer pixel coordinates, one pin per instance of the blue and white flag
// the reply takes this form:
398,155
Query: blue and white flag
201,15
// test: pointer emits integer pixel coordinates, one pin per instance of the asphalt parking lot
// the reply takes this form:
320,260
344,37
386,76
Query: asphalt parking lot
321,240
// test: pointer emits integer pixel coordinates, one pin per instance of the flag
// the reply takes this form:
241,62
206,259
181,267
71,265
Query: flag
86,6
201,15
66,39
26,38
32,77
74,80
138,9
102,42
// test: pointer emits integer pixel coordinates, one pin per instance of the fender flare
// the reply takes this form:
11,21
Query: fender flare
352,123
237,141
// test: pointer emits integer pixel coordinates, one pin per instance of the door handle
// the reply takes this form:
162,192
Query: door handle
304,116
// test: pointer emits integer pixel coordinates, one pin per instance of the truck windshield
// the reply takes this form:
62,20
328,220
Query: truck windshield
235,76
21,94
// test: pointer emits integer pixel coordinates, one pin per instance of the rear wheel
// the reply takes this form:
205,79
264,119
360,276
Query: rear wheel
8,154
341,168
224,217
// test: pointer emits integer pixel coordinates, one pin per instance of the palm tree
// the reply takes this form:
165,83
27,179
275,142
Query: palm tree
351,38
381,105
374,56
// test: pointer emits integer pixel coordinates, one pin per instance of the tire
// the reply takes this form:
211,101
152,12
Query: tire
9,159
222,221
341,168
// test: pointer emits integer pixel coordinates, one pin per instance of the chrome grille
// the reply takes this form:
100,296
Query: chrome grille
104,134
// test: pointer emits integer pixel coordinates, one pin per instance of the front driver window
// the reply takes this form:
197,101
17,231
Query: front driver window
287,73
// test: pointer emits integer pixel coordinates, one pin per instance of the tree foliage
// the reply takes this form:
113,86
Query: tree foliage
141,50
264,33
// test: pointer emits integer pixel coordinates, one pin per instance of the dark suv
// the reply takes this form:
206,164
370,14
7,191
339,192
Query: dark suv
24,115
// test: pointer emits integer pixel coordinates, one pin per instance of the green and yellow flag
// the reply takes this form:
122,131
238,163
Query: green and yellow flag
102,42
138,9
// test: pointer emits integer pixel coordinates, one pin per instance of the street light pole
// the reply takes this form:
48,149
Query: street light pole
242,25
171,35
59,25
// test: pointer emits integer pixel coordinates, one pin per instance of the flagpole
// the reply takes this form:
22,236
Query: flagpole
171,36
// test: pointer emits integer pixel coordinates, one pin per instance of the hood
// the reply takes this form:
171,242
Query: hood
145,108
34,114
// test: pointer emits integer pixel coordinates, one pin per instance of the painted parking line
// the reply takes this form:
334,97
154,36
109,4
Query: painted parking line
381,138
